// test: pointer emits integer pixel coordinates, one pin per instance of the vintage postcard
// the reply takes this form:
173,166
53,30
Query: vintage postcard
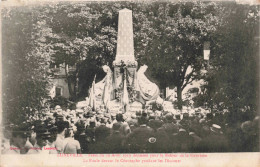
130,83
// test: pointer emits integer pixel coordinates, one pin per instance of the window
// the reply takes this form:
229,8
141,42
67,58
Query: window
58,91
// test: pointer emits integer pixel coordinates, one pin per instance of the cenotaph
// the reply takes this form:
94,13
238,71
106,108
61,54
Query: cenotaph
125,88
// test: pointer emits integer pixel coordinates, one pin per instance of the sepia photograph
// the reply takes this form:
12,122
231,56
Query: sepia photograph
129,77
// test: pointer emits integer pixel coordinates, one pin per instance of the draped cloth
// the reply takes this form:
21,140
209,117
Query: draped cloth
148,90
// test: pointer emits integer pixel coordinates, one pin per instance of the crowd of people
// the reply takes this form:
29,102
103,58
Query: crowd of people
84,131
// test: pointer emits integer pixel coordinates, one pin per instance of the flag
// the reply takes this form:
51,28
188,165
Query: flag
92,96
125,99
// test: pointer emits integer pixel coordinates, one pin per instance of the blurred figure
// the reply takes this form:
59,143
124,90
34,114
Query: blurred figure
138,140
214,142
61,129
17,141
42,136
124,127
116,141
71,146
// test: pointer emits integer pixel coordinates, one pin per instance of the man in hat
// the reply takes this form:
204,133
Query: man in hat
17,141
71,146
185,122
177,118
215,141
61,128
53,135
80,135
100,145
124,129
42,136
116,141
169,126
138,140
184,141
132,122
90,134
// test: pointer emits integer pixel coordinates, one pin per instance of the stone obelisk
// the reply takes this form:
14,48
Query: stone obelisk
124,64
125,37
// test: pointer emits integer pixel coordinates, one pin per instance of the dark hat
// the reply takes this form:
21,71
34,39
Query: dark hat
52,129
103,120
21,130
42,131
138,113
177,116
142,120
169,117
185,115
89,114
116,126
80,126
119,117
155,124
59,116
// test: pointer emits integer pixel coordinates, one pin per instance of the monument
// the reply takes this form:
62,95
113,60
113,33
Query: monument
125,88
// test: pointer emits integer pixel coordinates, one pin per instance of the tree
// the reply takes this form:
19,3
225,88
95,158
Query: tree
233,78
171,37
25,68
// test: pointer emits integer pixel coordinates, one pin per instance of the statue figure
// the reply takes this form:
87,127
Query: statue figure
108,87
148,90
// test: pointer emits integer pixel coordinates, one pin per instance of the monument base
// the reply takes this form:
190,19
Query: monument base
116,106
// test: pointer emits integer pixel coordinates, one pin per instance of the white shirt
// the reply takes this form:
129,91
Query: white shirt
71,146
59,143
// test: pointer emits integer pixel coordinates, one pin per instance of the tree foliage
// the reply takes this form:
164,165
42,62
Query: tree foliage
233,78
168,37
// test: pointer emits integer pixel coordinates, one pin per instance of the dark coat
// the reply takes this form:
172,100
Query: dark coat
138,140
